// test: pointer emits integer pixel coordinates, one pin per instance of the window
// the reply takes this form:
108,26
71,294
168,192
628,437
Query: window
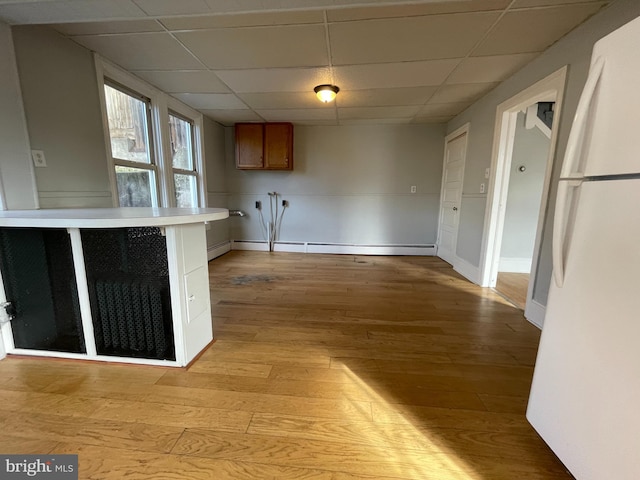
155,143
185,176
129,121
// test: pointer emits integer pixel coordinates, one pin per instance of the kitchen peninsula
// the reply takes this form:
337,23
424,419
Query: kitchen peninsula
110,284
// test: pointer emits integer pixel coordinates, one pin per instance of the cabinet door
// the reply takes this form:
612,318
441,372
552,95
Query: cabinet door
249,145
278,146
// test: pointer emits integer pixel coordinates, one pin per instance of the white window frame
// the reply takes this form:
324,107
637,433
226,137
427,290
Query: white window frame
161,103
180,110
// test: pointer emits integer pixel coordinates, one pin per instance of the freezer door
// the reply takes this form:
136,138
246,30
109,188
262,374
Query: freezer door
585,396
610,144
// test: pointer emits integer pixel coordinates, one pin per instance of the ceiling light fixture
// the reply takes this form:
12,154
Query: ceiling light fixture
326,93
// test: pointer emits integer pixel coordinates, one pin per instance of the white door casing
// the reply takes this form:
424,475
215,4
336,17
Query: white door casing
550,88
455,151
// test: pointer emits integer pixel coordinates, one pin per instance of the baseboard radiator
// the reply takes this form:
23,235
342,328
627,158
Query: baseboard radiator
133,318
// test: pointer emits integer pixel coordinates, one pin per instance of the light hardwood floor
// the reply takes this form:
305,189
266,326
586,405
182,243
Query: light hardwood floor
514,287
325,367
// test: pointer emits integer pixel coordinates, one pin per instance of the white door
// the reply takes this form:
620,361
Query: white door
451,197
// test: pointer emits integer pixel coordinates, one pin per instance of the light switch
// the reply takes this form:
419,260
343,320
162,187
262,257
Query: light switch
486,172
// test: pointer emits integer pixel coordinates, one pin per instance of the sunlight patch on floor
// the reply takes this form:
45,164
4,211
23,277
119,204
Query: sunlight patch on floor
415,453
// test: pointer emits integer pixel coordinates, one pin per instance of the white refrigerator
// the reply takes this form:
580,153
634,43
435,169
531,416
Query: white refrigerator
585,395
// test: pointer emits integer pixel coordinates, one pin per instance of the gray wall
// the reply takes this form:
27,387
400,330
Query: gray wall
573,50
18,186
349,185
214,157
62,106
530,149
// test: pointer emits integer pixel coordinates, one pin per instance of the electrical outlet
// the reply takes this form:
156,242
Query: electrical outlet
414,189
487,171
38,158
258,204
285,203
482,188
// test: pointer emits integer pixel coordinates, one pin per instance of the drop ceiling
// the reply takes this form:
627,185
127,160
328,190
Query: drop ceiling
258,60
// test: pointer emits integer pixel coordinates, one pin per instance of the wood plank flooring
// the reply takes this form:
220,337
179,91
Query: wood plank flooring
324,367
514,287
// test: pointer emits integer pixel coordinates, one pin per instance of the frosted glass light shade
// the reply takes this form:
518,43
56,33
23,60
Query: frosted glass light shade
326,93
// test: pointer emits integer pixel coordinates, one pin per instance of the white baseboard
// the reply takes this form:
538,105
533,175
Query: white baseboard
535,313
214,251
242,245
342,249
336,248
514,265
290,247
467,270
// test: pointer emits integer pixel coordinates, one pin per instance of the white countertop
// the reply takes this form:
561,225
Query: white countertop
109,217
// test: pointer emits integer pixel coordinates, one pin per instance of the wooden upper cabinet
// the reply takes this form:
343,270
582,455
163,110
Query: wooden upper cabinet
249,145
278,146
264,146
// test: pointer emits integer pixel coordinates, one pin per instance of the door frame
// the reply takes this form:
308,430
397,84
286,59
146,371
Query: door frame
463,130
549,88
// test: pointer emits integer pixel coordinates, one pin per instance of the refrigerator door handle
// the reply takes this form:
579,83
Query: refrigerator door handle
580,120
559,226
568,171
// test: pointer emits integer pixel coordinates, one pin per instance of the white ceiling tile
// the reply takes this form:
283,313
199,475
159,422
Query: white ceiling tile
63,11
142,51
229,117
461,93
377,112
294,114
489,69
394,75
546,3
385,96
375,121
442,109
200,81
94,28
414,38
275,79
172,7
281,100
533,30
429,119
211,101
416,9
244,20
316,122
258,47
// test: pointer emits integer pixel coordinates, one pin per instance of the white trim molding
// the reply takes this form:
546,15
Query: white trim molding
336,248
467,270
535,312
550,87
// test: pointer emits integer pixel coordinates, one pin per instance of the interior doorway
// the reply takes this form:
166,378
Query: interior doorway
529,154
523,152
